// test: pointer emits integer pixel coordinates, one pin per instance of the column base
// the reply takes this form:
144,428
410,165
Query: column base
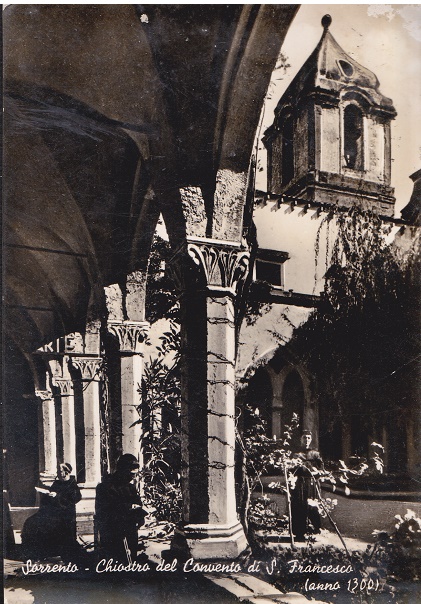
210,541
85,510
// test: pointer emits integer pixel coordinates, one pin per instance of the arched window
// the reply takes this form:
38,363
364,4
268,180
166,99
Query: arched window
287,151
353,137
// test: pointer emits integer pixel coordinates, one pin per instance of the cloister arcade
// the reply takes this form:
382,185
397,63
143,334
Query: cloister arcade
115,114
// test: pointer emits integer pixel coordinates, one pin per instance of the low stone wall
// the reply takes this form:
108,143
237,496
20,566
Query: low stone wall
19,515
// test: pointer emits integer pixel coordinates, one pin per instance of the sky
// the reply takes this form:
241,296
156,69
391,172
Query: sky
387,40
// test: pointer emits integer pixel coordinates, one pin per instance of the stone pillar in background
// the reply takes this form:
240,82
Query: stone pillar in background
62,380
346,442
208,273
65,384
90,373
131,337
48,445
385,448
411,447
277,382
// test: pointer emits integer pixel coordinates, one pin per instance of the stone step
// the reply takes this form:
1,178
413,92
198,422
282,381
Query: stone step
256,591
84,524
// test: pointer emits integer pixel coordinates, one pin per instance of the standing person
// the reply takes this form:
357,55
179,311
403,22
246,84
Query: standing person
52,530
119,512
310,464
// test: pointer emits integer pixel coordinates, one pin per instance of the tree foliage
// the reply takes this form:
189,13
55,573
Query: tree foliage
362,342
161,299
160,412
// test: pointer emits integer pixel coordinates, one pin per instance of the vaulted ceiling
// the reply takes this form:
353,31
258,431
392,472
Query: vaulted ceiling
110,109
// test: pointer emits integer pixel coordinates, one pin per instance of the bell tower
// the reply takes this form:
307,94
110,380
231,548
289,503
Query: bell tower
330,141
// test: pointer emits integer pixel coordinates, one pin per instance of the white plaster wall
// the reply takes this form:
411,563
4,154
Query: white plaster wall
272,329
296,231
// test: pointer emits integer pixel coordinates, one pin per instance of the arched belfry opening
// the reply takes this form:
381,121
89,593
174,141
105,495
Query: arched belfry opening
155,119
353,137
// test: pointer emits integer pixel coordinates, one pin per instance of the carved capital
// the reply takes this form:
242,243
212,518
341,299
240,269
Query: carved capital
130,334
65,385
89,367
223,265
44,395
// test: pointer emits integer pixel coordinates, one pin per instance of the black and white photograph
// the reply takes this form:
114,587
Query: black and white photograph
211,286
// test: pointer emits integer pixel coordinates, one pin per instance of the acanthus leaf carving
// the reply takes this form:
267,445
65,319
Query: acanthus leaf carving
89,367
65,385
224,266
130,334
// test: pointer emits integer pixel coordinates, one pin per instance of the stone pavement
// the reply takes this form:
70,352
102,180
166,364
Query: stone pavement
153,589
145,590
149,588
255,591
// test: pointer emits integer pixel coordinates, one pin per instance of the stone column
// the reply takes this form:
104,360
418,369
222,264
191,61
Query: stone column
48,445
385,448
208,273
90,372
68,420
276,418
277,382
411,447
131,336
346,442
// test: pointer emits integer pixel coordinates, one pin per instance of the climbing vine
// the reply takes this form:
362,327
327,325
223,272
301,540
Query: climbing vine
362,341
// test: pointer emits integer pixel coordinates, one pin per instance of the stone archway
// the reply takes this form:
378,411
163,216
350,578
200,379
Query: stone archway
259,395
292,394
110,122
291,391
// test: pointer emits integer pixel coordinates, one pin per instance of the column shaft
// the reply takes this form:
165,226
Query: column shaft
131,382
48,451
131,336
221,410
92,433
89,368
69,430
211,525
65,384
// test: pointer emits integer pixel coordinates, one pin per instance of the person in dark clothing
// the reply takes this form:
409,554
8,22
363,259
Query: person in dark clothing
119,512
52,530
310,464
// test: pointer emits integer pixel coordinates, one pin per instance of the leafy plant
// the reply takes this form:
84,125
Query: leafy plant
161,395
401,550
362,342
161,435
